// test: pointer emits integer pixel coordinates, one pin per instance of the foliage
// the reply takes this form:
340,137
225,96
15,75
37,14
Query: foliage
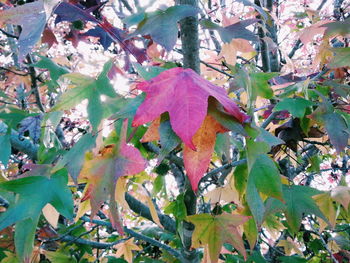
113,151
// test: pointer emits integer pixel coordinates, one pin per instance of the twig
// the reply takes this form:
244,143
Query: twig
14,72
132,233
91,243
35,88
8,34
322,241
217,69
269,119
222,168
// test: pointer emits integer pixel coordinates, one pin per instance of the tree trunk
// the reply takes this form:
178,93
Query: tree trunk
189,38
190,51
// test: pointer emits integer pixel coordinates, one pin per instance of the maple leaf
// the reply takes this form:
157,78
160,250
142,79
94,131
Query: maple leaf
214,231
103,172
197,162
56,193
233,31
32,18
31,124
125,249
184,94
162,24
87,88
298,202
71,13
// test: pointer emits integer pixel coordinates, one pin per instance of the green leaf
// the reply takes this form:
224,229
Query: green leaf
296,106
40,190
55,70
5,146
134,19
337,130
341,57
87,88
299,202
241,175
24,237
177,208
266,177
233,31
60,256
130,108
168,140
13,116
267,137
56,193
148,72
73,160
292,259
214,231
255,202
260,84
162,24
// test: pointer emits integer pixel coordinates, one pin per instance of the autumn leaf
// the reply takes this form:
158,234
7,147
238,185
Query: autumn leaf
125,249
337,130
102,173
32,125
184,94
214,231
341,194
290,246
32,18
197,162
341,57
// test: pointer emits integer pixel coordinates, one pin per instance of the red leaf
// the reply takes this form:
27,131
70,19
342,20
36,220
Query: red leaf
184,94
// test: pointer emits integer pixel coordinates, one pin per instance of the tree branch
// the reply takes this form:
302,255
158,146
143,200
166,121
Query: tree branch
132,233
142,210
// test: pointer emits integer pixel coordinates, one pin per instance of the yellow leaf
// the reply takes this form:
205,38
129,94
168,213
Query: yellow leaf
125,249
152,133
214,231
120,192
82,209
325,203
341,194
51,215
227,193
290,246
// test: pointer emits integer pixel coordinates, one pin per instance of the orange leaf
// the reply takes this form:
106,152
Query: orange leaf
152,134
197,162
125,249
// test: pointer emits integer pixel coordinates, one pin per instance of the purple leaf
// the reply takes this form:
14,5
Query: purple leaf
32,125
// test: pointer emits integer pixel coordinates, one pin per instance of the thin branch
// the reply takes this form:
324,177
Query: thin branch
139,236
142,210
222,168
324,243
8,34
217,69
91,243
14,72
35,88
269,119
